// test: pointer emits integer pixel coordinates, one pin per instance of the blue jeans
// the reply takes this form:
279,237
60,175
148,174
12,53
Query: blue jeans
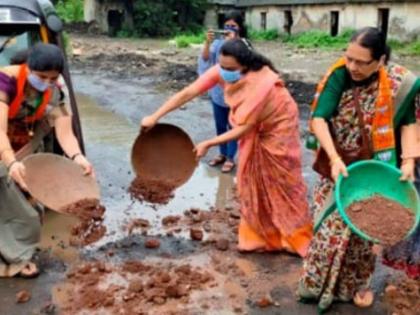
221,117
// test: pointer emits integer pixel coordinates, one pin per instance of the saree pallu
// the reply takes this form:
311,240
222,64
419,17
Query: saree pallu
274,210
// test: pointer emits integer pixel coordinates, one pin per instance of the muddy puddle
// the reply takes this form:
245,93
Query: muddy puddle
109,149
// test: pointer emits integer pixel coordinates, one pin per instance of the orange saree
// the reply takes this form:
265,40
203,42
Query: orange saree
274,210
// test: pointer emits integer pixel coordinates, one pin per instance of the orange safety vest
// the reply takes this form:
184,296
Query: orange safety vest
20,96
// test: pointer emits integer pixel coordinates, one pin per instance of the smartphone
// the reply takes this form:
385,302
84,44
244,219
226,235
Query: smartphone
220,33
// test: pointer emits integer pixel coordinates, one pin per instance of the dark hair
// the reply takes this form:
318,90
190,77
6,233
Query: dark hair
46,57
238,17
20,57
246,55
373,39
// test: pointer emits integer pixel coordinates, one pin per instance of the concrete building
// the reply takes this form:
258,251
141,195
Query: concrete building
399,19
215,16
110,15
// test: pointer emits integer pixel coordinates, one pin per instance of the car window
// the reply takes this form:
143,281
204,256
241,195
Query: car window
14,44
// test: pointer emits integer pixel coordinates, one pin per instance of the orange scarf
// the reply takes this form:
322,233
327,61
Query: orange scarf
20,96
383,125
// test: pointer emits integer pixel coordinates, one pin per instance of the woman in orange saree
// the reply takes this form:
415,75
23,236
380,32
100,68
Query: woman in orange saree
264,116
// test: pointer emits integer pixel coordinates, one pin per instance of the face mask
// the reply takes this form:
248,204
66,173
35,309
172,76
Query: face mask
37,83
231,28
230,76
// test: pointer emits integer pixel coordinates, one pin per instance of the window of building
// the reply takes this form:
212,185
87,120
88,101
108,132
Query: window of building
263,21
335,16
288,21
221,20
383,20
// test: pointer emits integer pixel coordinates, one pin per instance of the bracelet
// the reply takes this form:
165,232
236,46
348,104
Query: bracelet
74,156
11,164
335,160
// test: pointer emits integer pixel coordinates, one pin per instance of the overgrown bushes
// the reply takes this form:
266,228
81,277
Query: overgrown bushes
156,18
70,10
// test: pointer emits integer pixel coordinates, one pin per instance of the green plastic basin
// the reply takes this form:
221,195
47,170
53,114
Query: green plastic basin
368,178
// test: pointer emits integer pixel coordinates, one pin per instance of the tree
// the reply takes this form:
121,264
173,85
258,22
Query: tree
167,17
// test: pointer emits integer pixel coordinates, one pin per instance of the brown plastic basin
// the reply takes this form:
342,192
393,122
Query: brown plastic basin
164,153
57,182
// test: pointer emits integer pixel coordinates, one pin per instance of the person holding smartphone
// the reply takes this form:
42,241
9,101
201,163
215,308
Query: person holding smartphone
234,27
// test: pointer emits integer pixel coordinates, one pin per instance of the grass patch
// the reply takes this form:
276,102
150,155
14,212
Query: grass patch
267,35
319,39
187,39
405,48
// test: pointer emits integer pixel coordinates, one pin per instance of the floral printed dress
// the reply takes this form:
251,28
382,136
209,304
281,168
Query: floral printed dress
339,263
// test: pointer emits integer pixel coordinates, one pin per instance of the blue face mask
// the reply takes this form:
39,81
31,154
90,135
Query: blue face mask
231,28
37,83
230,76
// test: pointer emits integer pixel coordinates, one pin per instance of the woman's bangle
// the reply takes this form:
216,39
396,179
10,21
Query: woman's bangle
335,160
11,164
74,156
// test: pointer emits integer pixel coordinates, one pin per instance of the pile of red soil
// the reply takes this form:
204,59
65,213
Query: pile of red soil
217,227
23,296
145,286
91,216
381,218
134,224
404,298
153,191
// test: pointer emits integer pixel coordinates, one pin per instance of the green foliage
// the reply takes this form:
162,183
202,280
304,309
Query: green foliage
319,39
168,17
185,40
405,48
70,10
125,32
414,48
267,35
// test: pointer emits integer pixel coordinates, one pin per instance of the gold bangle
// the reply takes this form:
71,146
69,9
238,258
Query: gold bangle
335,160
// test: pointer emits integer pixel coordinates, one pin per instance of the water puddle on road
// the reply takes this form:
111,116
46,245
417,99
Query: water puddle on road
109,137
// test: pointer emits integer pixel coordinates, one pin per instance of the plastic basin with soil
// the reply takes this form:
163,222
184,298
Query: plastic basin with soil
57,182
163,159
382,219
369,179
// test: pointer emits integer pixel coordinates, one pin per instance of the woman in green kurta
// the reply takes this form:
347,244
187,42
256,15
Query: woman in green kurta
29,94
339,265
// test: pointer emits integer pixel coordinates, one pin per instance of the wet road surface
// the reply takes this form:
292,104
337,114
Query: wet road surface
110,116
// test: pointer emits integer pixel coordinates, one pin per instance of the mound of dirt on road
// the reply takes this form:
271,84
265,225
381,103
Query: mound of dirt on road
133,286
404,297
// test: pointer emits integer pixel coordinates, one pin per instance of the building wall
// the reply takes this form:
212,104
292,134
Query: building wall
404,18
98,11
212,15
89,10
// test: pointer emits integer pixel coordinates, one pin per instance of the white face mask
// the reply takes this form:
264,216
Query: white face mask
37,83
